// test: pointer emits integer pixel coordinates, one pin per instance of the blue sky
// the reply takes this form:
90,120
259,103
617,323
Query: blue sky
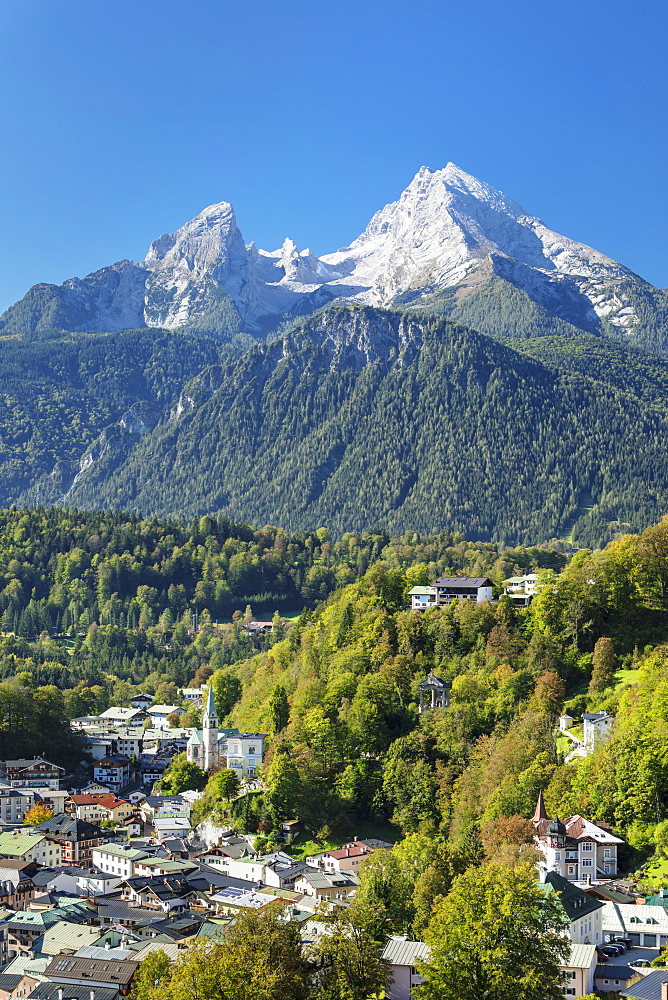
121,121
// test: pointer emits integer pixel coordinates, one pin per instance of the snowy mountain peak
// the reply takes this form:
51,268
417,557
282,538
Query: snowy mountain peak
445,227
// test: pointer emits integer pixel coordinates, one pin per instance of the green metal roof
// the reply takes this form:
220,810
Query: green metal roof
15,845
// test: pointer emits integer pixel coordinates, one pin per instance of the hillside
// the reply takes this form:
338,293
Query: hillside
361,417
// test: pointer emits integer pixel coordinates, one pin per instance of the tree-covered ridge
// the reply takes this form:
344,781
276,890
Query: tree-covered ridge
364,418
340,695
57,396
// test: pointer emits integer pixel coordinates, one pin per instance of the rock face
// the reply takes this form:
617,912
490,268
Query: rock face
447,231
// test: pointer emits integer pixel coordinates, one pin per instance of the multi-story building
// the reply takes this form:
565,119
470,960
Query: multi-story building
244,753
521,589
577,849
447,589
584,912
117,859
597,729
76,838
159,714
112,771
100,806
31,772
31,846
15,803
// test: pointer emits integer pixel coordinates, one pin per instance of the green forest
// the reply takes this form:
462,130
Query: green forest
363,418
355,418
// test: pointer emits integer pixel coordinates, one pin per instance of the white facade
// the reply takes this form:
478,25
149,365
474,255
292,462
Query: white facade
645,924
14,803
422,598
245,753
159,714
117,859
597,729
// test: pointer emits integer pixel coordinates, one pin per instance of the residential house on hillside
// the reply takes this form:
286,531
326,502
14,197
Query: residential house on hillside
578,849
160,713
403,957
521,589
597,729
646,925
327,886
94,974
447,589
117,859
31,772
142,700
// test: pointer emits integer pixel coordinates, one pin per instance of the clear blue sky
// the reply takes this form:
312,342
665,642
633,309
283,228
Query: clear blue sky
122,120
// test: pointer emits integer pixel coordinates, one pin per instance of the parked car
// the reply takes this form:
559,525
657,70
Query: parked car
642,962
611,951
601,955
623,940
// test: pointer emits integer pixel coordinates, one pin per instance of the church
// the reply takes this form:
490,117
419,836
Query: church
211,747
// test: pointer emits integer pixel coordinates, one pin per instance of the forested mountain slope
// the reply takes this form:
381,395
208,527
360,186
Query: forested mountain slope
58,395
362,417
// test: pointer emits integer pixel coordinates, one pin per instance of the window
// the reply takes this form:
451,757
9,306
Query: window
586,847
569,991
586,863
606,852
557,855
569,974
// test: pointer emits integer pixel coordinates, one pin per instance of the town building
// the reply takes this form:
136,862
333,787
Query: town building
117,859
142,700
159,714
33,772
30,846
578,849
76,838
113,771
579,969
584,912
15,803
403,957
422,598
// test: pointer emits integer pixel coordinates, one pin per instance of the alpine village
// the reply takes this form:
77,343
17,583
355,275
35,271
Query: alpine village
334,618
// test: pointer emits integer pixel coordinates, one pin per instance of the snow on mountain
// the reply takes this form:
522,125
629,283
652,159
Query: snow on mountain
445,227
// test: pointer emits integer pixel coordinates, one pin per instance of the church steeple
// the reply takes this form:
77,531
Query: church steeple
210,731
540,812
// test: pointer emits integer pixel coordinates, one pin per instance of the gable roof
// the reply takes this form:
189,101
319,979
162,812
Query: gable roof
574,900
648,988
463,581
399,951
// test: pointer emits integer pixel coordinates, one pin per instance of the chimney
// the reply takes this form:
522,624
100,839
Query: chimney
60,993
664,991
92,995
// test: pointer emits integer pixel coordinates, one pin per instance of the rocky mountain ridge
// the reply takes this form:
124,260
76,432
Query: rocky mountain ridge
447,231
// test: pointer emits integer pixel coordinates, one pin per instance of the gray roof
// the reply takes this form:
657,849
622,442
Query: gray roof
463,581
49,991
614,972
399,951
648,988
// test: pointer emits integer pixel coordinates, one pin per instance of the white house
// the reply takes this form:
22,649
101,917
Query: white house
646,924
14,803
31,846
117,859
597,729
159,713
403,956
578,849
422,598
463,588
244,753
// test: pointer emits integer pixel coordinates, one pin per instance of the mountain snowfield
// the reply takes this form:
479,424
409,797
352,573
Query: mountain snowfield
447,230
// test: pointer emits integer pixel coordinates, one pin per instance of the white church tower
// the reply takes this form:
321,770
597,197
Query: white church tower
210,732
